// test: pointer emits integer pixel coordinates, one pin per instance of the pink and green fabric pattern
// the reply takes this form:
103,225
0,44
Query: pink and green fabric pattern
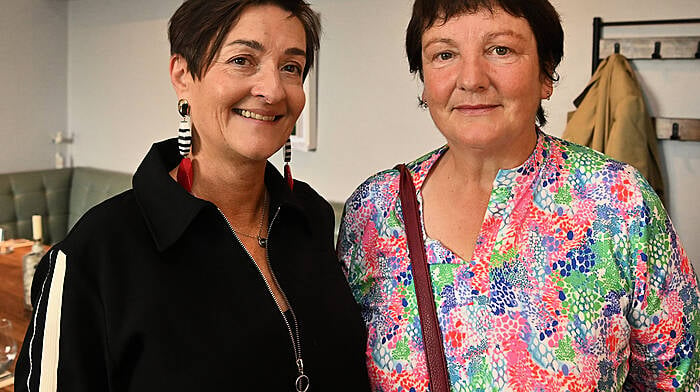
578,282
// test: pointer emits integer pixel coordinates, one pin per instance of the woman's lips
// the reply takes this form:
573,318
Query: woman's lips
257,115
475,109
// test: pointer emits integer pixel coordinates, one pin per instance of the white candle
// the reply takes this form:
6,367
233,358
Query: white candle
59,161
36,226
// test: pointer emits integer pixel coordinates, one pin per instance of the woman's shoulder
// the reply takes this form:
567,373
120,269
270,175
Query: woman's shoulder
386,182
306,193
105,224
571,151
377,195
589,170
377,190
378,183
310,199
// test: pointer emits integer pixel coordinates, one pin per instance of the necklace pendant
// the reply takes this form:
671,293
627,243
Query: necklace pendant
262,241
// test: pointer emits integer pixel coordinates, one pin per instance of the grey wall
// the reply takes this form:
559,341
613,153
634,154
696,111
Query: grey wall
33,53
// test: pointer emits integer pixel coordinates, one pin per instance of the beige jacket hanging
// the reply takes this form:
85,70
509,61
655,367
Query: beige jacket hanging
611,118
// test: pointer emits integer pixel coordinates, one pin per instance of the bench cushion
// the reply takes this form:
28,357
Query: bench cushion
91,186
60,196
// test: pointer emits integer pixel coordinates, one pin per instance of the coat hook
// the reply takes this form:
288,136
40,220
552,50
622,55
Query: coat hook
657,50
617,47
697,52
675,132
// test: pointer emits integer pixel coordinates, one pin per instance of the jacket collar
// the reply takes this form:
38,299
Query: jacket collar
168,209
605,71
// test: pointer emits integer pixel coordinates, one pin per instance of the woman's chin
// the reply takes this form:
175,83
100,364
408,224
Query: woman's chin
259,154
254,146
481,139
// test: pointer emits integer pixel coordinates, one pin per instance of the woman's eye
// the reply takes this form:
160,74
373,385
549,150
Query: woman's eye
238,61
292,68
501,50
444,56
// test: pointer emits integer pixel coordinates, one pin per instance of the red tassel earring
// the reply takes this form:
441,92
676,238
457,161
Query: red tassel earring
287,159
184,143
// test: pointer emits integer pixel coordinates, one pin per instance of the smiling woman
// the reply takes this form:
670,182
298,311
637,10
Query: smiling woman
549,267
246,104
482,82
214,272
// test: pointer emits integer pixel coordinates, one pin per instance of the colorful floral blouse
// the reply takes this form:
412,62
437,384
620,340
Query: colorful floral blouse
578,282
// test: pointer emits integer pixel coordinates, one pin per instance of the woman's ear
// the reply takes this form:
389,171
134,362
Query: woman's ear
547,78
180,75
547,88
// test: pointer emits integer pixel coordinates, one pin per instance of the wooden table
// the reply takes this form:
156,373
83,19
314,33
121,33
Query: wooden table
12,297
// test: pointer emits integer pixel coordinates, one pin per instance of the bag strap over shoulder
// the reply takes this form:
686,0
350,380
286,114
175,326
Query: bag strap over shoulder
432,338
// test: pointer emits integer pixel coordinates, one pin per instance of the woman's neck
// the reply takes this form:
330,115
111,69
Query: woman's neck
236,188
478,167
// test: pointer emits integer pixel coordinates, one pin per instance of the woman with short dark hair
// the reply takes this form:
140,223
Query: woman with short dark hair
214,272
550,267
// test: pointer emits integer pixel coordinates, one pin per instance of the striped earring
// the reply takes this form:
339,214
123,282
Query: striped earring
184,136
287,159
184,144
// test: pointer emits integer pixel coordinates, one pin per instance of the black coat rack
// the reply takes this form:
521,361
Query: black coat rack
652,48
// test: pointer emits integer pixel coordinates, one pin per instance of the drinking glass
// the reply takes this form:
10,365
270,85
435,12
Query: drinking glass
8,345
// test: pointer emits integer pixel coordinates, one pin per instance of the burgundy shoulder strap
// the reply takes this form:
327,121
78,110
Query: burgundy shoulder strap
432,338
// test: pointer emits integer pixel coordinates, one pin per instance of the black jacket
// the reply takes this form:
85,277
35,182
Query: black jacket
159,295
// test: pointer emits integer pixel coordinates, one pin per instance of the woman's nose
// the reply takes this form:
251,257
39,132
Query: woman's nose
473,75
268,85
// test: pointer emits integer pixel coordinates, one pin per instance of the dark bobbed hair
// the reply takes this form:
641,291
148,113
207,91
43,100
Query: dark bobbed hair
198,28
540,14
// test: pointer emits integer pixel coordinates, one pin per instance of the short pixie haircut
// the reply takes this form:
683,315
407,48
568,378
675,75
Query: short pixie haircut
540,14
198,29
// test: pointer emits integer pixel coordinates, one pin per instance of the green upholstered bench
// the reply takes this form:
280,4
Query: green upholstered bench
60,196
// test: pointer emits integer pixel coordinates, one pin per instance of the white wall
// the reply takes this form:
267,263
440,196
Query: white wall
368,115
33,44
119,95
120,99
670,88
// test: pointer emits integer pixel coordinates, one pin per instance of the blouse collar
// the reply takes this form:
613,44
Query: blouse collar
506,178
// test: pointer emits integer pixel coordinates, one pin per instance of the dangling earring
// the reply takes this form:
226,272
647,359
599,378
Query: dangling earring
287,159
423,104
184,144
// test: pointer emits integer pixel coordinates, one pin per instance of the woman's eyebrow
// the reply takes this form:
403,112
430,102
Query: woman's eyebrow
433,41
295,52
509,33
255,45
249,43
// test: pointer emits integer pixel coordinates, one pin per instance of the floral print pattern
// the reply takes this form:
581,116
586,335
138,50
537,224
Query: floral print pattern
578,282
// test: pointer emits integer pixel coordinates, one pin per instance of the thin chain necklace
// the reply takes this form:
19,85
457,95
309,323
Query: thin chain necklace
262,241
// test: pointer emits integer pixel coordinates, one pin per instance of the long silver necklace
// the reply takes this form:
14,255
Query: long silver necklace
301,383
262,241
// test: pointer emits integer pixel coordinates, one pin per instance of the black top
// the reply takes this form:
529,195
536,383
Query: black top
159,295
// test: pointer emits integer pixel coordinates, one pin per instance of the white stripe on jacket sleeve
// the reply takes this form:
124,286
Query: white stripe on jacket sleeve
48,378
35,320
